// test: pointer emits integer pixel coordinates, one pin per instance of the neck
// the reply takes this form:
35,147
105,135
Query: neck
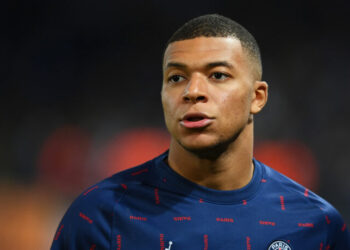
231,169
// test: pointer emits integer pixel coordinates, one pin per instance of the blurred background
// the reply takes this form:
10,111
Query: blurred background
80,98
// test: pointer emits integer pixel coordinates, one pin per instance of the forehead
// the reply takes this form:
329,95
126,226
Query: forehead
202,50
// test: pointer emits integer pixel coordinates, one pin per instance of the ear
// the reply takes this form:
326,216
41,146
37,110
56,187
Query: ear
260,94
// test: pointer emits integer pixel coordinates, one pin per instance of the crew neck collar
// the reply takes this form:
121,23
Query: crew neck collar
176,183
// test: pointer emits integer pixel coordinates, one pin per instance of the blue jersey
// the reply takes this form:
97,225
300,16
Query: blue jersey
152,207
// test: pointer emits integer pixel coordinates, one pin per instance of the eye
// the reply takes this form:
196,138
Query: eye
219,76
175,79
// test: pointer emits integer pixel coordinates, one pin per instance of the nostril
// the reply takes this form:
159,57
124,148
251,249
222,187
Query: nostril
186,98
200,98
194,98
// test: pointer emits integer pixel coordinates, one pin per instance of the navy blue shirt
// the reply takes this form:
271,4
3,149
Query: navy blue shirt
152,207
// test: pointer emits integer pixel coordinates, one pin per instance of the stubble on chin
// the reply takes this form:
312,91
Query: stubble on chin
214,151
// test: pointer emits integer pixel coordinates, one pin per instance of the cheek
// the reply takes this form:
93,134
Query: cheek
235,106
168,107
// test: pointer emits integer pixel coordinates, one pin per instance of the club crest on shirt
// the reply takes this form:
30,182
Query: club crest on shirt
279,245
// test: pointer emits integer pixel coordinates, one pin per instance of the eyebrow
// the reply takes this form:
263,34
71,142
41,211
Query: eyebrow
218,64
207,66
175,65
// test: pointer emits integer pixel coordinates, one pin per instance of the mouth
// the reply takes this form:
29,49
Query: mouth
196,120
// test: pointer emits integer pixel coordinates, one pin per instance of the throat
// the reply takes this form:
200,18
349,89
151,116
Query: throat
227,180
222,174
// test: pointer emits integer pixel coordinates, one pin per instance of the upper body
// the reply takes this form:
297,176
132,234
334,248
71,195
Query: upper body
148,206
211,90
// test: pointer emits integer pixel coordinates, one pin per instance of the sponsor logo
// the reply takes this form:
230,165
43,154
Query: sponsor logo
268,223
61,227
119,242
170,243
140,172
156,196
282,203
162,243
279,245
224,220
137,218
249,247
305,225
205,237
85,217
182,218
89,190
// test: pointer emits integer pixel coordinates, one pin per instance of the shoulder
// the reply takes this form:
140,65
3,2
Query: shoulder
297,193
303,201
279,183
88,221
104,195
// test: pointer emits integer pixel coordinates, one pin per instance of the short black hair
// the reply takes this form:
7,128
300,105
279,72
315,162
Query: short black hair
214,25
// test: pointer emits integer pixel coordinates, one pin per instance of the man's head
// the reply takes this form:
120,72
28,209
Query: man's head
219,26
211,85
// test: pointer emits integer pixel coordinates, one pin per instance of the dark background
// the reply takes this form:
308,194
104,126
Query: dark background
81,80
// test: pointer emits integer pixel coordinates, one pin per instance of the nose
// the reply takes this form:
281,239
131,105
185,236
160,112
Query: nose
196,90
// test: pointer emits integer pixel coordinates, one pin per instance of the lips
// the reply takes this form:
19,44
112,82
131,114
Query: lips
196,120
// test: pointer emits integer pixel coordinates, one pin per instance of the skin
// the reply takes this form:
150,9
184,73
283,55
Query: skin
213,76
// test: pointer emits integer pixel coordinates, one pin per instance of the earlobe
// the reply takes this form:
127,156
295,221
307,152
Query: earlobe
260,97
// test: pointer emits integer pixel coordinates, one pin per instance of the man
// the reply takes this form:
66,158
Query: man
207,191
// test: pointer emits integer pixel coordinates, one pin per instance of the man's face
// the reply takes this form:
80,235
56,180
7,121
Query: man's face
208,91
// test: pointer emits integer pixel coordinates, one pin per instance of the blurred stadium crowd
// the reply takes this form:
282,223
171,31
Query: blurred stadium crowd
80,98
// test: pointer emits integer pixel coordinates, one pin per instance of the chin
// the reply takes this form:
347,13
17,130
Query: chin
205,149
198,142
208,147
